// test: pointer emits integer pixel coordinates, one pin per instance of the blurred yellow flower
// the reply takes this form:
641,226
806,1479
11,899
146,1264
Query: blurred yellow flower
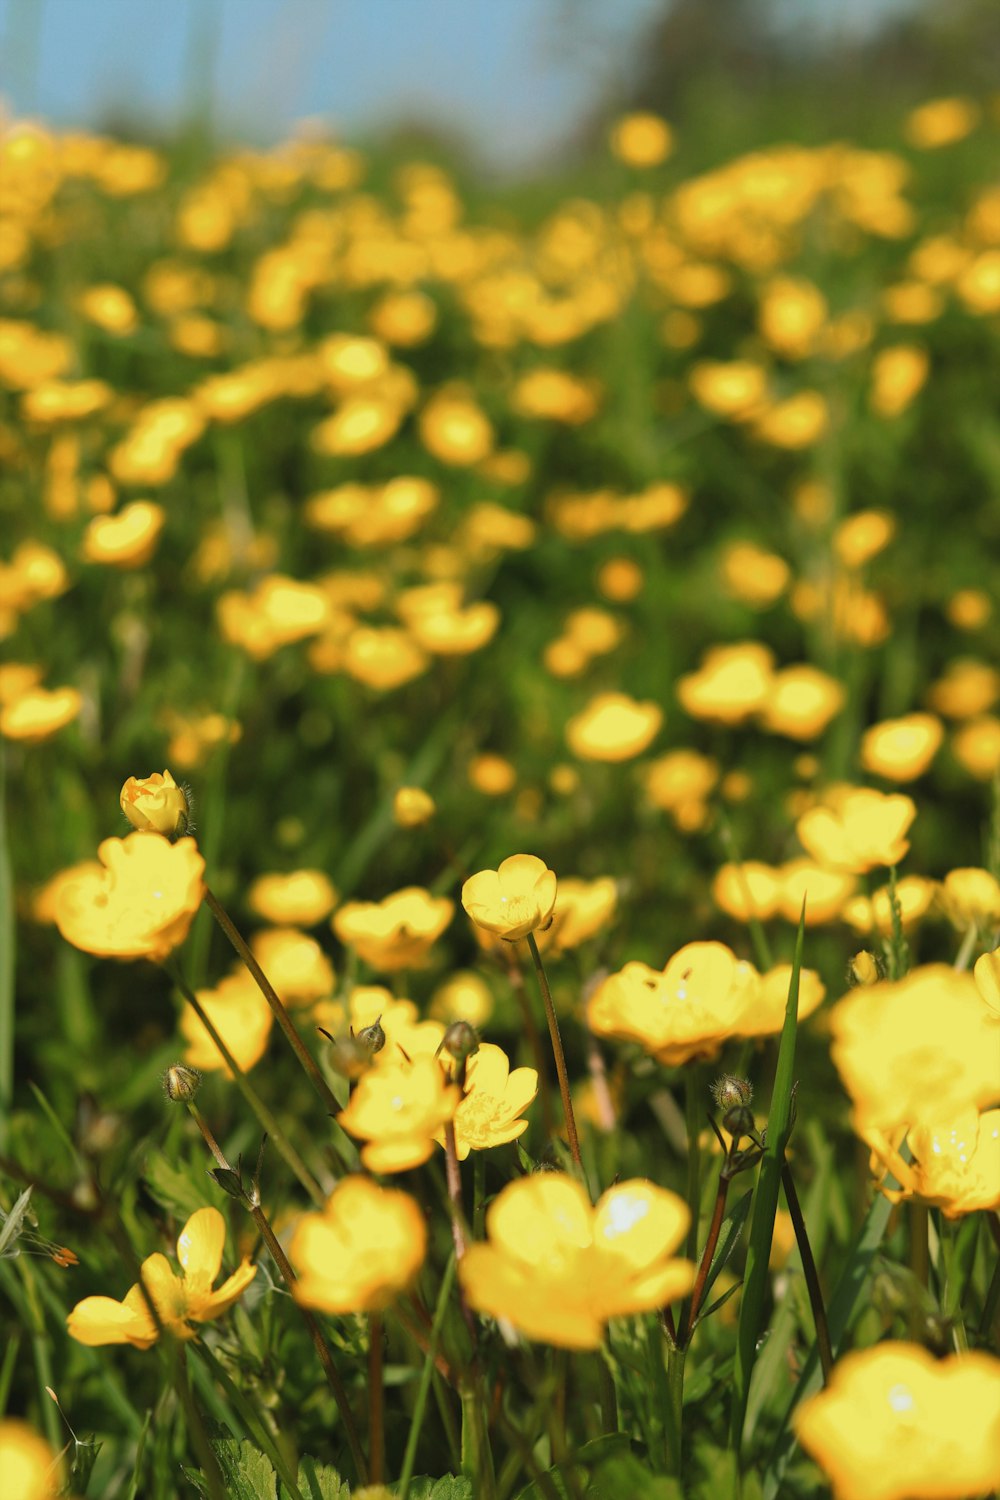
858,829
396,932
295,964
641,140
730,684
399,1109
383,658
493,775
969,609
753,575
583,908
299,899
969,687
825,891
795,423
613,727
241,1016
976,746
970,897
941,122
278,612
179,1300
126,540
916,1051
39,712
914,897
412,807
620,579
747,890
513,900
489,1112
896,1424
703,996
735,389
767,1014
792,314
155,804
361,1251
464,996
454,429
898,375
901,749
29,1467
955,1165
986,972
558,1269
109,307
800,702
138,902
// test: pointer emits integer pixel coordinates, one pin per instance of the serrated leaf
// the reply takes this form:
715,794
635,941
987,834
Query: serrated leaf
320,1482
171,1188
450,1487
246,1473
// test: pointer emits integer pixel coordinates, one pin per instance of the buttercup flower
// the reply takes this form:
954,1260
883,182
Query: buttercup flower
39,712
180,1301
703,996
914,896
127,540
858,830
583,908
295,964
916,1051
155,804
27,1463
800,702
558,1269
955,1166
300,899
901,749
139,902
398,1109
897,1424
986,973
731,683
397,932
613,727
365,1248
970,898
241,1016
494,1099
412,807
513,900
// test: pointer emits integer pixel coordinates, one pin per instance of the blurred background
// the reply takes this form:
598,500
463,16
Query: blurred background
518,87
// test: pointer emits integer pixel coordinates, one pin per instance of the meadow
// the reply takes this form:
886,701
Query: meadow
499,821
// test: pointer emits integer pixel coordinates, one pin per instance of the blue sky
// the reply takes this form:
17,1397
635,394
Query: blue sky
513,75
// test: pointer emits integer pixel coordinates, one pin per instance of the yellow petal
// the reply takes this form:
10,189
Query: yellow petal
102,1320
200,1246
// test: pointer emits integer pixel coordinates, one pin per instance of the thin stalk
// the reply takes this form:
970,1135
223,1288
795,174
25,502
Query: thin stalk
607,1394
278,1010
674,1415
558,1054
692,1116
274,1131
376,1400
420,1405
516,978
478,1194
283,1264
714,1229
810,1273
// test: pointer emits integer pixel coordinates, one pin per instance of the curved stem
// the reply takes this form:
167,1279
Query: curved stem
558,1054
278,1010
718,1214
809,1271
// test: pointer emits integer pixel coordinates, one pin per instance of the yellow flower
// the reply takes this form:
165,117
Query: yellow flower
494,1098
735,389
126,540
620,579
513,900
38,713
955,1166
914,895
747,890
140,904
361,1252
916,1051
583,908
240,1015
179,1300
901,749
28,1465
454,429
465,996
800,702
397,932
399,1109
967,689
897,1424
613,727
753,575
731,683
295,964
155,804
970,898
860,829
558,1269
941,122
704,996
986,973
641,140
300,899
412,807
825,891
897,377
766,1016
977,747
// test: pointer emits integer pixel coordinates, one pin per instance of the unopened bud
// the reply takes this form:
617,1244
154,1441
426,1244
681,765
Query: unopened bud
372,1037
180,1083
156,804
863,969
729,1092
348,1055
460,1041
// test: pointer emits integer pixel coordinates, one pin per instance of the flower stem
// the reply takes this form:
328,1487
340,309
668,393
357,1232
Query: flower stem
809,1271
282,1144
278,1010
516,978
673,1417
692,1080
718,1214
376,1400
558,1054
420,1405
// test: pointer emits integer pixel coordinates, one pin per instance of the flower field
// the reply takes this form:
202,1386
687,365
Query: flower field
500,821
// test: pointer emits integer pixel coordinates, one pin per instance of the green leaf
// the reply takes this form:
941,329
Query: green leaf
625,1475
320,1482
756,1277
172,1188
10,1224
450,1487
246,1473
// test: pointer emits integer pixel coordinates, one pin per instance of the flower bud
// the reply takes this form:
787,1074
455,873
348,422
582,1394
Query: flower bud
349,1055
180,1083
156,804
460,1041
863,968
730,1092
372,1037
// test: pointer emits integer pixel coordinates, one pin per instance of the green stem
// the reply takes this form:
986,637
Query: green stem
813,1287
275,1133
478,1194
692,1116
607,1394
255,1424
376,1400
278,1010
718,1214
674,1414
420,1405
558,1054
